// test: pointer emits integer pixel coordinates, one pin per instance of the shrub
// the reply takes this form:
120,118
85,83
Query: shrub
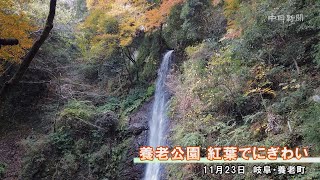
274,42
90,72
149,72
100,158
39,158
150,91
135,98
68,166
61,141
292,100
78,109
65,155
113,104
192,139
316,54
201,20
311,117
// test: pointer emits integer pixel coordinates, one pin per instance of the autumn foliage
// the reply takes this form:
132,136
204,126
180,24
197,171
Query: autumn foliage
110,25
14,24
156,16
230,9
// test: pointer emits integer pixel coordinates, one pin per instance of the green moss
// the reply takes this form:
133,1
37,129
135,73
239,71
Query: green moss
78,109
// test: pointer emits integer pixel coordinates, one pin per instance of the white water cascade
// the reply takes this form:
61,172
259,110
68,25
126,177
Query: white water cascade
159,120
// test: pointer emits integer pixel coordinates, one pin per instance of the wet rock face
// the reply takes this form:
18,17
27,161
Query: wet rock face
107,121
139,130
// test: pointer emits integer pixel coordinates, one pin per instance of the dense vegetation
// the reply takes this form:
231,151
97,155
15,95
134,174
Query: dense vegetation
238,79
256,85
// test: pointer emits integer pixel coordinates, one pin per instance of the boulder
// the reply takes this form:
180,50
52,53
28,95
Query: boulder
107,121
136,129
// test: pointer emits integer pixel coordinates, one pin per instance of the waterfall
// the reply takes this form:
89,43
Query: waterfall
159,120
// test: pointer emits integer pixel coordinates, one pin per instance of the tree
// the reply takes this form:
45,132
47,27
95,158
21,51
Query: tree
108,32
193,21
110,25
14,25
195,14
157,16
231,7
32,52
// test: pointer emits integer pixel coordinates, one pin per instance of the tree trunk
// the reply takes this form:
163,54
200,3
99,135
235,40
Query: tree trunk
31,54
131,57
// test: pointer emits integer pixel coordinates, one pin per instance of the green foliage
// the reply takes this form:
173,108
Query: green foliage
68,163
230,135
239,136
135,98
226,88
62,141
314,172
77,115
275,42
103,47
316,54
3,167
113,104
42,154
78,109
192,22
120,153
148,57
90,72
192,139
217,99
311,117
150,69
194,13
293,100
81,146
110,25
99,157
174,33
69,154
150,91
38,10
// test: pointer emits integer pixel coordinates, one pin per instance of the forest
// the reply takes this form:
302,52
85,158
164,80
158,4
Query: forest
80,79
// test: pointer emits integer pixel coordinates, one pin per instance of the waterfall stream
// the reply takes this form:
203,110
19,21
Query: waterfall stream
159,120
